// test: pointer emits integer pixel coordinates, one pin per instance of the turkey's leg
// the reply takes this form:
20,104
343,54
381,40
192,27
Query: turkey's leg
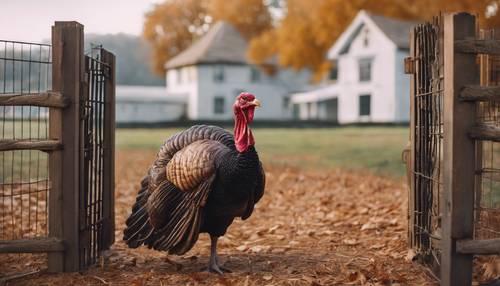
213,263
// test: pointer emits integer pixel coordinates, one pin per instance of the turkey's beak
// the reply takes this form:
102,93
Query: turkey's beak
255,102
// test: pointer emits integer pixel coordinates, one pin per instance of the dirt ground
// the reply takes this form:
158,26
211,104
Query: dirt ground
327,227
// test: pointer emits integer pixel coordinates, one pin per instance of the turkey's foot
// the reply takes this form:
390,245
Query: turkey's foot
213,264
215,268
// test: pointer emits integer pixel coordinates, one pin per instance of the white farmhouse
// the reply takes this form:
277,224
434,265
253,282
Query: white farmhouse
367,83
214,70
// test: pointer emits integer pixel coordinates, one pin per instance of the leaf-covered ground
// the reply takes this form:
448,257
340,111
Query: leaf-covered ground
312,227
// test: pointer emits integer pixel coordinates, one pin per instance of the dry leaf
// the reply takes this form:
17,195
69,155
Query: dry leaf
410,255
350,241
368,226
267,277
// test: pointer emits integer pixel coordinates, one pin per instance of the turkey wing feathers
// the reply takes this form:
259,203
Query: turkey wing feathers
175,208
182,139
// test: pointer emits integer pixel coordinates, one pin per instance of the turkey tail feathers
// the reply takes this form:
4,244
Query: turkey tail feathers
138,227
181,228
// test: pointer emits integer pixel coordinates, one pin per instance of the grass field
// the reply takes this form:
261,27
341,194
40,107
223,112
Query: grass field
376,149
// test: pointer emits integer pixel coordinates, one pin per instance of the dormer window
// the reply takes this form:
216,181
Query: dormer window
219,74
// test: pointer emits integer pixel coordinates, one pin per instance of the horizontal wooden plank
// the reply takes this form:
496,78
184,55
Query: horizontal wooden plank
24,144
485,132
480,93
471,246
491,47
43,99
48,244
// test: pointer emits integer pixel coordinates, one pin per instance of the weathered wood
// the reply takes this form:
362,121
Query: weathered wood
480,93
472,46
109,152
458,191
486,246
485,132
67,40
43,99
56,259
49,244
411,195
24,144
409,65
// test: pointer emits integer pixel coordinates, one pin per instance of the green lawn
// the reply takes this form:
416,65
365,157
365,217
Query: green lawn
377,149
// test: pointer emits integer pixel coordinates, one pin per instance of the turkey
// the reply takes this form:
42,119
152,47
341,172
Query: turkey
202,179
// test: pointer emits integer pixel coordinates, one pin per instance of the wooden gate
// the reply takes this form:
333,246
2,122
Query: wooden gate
58,143
455,131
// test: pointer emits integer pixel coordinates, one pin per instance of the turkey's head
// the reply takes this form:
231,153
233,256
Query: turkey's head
244,108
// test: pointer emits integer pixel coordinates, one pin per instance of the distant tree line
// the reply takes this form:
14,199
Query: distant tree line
133,60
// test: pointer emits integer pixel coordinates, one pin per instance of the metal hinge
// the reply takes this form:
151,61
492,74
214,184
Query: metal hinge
409,65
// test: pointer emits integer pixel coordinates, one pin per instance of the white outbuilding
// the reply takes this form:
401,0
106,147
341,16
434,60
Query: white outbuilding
367,82
215,69
147,104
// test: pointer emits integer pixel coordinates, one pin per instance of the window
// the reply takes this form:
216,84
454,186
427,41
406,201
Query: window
286,102
219,74
254,74
364,105
219,104
365,70
334,70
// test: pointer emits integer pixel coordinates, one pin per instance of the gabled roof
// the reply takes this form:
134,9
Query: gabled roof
397,31
222,44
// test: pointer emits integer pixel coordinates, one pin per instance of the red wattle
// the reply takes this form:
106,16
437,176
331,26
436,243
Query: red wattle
243,137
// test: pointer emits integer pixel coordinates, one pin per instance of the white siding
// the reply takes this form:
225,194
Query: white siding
147,112
187,86
147,104
402,89
270,90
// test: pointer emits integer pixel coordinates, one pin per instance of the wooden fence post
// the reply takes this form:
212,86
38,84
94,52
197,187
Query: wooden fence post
68,71
109,152
459,151
411,196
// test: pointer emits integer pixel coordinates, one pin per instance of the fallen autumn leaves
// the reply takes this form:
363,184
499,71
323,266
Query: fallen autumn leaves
311,228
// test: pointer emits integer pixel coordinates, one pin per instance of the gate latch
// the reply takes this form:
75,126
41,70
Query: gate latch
409,65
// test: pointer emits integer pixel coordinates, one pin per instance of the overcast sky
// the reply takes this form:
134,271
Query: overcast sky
31,20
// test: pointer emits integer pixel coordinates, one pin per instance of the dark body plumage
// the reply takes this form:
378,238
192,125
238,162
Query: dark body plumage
198,183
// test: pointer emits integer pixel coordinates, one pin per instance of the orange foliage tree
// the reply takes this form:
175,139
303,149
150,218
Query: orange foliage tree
301,38
173,25
310,28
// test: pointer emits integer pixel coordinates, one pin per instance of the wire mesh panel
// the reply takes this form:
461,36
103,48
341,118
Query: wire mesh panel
487,193
24,185
93,190
427,142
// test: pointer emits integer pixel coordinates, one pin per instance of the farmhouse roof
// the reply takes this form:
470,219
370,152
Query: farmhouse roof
396,30
222,44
